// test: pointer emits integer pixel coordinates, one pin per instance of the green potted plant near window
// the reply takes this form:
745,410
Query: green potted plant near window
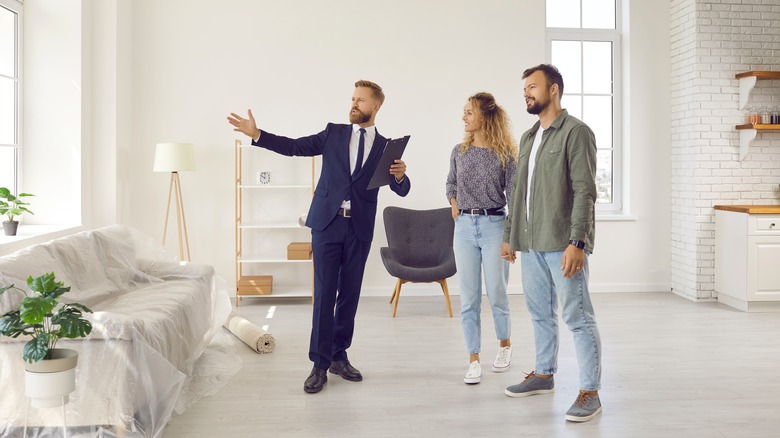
12,205
50,373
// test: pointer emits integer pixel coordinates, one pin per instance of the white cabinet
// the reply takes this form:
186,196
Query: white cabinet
272,192
747,257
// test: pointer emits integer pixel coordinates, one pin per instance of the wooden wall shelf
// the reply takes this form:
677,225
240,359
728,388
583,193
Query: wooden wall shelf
760,127
748,132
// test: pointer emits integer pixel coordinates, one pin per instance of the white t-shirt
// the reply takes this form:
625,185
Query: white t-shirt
531,167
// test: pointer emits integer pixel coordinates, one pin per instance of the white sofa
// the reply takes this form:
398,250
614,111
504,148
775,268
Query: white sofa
153,319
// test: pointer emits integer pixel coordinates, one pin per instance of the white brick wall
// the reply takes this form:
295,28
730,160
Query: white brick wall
711,41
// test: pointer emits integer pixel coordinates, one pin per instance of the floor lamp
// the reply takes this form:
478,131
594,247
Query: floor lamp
175,157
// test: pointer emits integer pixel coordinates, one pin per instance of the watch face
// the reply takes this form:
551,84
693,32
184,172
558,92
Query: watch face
264,177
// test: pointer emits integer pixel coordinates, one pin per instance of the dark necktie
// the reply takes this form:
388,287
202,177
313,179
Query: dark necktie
361,151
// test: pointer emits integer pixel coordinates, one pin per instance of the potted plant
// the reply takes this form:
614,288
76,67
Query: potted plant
50,374
12,206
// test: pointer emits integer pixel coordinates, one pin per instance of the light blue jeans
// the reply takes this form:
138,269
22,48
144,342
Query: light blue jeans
543,285
477,247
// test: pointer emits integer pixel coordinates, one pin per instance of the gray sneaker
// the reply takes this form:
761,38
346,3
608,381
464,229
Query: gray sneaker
585,407
532,385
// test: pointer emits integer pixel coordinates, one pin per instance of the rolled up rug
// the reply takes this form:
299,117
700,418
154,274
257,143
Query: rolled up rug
255,337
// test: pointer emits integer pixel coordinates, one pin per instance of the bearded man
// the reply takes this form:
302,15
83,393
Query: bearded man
341,216
551,221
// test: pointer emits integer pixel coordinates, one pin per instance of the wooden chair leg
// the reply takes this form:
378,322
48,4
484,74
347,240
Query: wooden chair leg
443,284
395,291
397,295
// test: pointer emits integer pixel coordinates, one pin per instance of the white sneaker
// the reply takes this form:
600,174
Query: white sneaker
474,374
503,358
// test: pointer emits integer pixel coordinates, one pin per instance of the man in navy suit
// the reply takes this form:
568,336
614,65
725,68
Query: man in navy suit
341,216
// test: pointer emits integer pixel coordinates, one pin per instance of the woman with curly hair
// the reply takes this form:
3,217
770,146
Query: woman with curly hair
478,186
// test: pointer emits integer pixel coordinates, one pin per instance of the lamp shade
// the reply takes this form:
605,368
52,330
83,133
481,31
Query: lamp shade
174,157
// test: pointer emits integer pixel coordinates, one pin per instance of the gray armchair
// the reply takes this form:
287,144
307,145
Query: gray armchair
419,248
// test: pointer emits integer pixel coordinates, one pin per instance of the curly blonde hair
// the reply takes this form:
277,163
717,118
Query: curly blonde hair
496,127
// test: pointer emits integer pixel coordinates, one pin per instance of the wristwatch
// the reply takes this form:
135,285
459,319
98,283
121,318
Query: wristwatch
578,243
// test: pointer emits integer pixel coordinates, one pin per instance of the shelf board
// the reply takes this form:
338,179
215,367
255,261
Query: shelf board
760,127
283,292
273,226
747,81
759,74
251,259
274,186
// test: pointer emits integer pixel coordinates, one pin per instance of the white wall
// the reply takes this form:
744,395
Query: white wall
294,64
181,66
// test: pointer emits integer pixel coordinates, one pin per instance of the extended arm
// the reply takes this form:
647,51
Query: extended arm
304,146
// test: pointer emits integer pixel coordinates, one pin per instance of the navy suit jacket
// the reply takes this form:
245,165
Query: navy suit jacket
335,178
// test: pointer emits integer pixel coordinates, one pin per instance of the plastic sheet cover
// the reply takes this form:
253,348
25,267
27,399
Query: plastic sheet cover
156,347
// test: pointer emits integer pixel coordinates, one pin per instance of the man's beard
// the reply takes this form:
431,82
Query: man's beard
537,107
358,117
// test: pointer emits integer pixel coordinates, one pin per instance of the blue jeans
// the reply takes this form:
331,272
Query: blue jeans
543,285
477,246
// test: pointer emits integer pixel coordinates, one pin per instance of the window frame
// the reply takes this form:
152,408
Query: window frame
17,7
613,36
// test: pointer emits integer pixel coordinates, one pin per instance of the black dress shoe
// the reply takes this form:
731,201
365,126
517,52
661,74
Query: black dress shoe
316,380
344,369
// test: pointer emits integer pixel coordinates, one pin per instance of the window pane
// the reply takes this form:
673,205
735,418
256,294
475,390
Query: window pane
7,113
567,57
597,67
598,14
604,176
572,103
7,167
563,13
7,42
597,114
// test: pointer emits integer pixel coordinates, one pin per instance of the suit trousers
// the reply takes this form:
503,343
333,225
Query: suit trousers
339,263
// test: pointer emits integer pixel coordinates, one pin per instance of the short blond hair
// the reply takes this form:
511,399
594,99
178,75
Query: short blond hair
375,89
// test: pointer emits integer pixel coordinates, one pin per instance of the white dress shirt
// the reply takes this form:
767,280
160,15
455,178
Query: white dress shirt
354,141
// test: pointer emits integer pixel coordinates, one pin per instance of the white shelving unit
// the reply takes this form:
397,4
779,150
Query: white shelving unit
267,220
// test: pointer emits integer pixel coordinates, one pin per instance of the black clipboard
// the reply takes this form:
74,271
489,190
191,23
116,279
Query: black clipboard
393,151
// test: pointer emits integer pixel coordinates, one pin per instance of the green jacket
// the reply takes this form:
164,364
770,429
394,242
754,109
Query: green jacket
563,189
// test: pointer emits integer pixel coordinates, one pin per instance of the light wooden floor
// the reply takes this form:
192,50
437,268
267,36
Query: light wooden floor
671,368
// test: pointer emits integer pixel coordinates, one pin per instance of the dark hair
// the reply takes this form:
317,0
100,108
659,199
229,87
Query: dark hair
376,90
552,74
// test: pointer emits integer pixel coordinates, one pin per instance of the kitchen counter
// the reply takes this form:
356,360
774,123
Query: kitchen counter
750,209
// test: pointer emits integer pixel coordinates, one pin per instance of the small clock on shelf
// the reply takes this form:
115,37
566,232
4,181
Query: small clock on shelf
264,178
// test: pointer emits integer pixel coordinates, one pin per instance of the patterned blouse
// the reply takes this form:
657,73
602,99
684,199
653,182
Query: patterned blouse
477,179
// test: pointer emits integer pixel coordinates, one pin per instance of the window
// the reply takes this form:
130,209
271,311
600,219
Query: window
583,42
10,91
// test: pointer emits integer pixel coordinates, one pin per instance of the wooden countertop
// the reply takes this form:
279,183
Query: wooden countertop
750,209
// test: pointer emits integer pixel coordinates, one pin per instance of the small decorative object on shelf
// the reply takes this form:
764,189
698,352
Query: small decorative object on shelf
299,251
256,285
264,177
753,116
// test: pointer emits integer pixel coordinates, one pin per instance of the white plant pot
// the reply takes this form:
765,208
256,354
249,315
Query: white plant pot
49,382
